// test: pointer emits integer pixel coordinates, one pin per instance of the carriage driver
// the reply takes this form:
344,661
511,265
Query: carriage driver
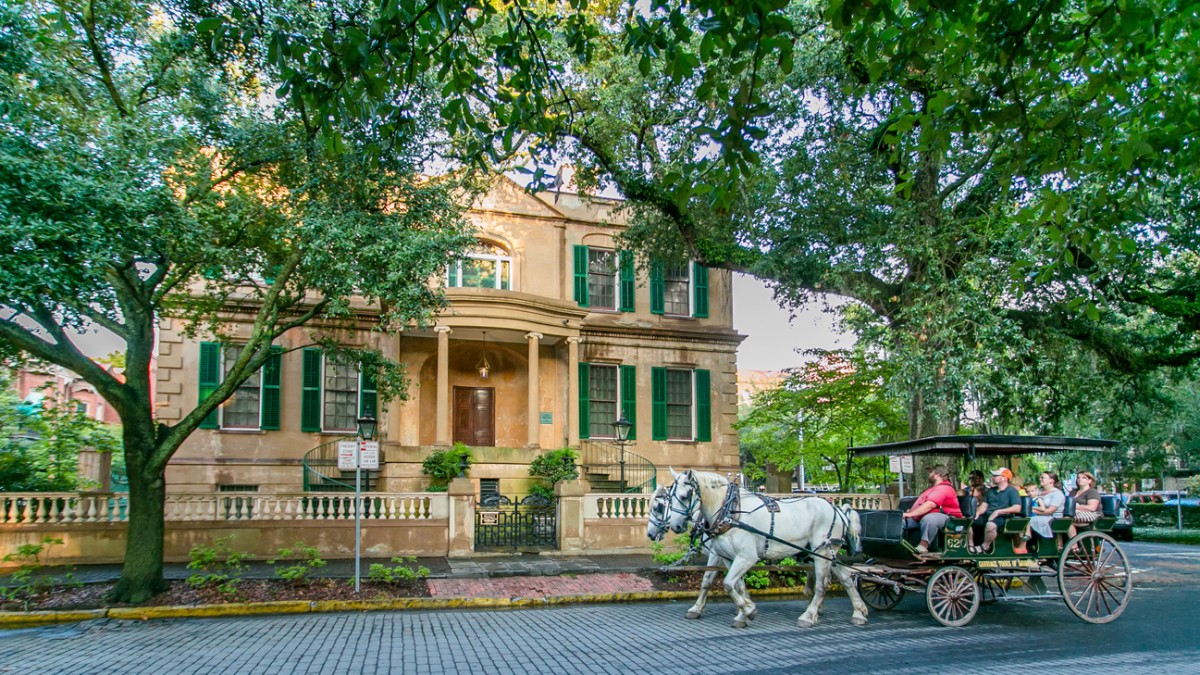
933,508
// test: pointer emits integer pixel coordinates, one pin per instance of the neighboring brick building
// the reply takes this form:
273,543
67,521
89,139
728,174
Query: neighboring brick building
571,335
30,383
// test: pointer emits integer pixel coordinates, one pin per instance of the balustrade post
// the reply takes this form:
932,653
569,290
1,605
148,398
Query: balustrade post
570,494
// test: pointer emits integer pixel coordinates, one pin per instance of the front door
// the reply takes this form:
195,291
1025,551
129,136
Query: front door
475,416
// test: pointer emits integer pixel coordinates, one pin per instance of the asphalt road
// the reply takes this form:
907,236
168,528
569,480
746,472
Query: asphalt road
1159,633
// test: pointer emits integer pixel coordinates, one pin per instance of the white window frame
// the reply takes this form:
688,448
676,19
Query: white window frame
357,399
496,258
616,280
691,292
221,408
692,405
617,367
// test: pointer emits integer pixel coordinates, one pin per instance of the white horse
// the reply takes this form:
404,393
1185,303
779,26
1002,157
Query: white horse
745,529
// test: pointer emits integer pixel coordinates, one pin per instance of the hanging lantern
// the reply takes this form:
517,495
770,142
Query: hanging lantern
484,368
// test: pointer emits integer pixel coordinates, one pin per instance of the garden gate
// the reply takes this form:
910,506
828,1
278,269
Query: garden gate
501,523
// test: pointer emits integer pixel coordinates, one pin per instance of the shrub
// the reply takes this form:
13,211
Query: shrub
442,465
542,491
28,581
555,466
757,578
664,556
217,566
304,559
1162,515
380,573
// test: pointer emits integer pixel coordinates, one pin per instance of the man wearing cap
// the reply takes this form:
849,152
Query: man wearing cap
1003,502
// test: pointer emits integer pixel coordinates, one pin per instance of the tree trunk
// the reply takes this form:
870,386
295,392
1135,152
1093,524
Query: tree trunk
142,573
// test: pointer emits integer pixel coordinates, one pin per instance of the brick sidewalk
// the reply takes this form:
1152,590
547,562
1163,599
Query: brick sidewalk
539,587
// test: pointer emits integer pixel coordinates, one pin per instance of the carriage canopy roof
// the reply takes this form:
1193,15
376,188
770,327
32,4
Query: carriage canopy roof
984,445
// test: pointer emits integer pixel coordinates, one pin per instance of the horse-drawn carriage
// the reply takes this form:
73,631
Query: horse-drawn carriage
737,528
1089,571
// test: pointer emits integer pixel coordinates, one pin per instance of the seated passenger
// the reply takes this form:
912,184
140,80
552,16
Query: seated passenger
933,508
1001,502
1047,506
1087,500
974,480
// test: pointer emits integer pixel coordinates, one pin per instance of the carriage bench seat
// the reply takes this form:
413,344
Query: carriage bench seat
1015,525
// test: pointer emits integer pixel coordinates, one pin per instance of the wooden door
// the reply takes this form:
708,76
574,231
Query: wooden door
475,416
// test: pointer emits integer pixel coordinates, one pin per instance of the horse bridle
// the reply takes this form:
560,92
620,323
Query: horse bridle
693,504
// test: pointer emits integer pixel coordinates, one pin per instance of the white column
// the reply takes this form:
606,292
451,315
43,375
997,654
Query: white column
572,392
534,403
443,386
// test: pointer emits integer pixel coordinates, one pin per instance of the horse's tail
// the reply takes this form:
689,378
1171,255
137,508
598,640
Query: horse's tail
854,531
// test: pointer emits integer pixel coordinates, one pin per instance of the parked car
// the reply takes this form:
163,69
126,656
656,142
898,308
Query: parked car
1186,501
1144,498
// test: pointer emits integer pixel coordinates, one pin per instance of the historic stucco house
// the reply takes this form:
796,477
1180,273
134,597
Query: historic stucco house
570,334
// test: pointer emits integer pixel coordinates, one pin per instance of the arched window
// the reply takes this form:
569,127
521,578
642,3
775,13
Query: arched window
487,266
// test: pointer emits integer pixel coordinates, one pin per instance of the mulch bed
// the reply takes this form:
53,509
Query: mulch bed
91,596
690,581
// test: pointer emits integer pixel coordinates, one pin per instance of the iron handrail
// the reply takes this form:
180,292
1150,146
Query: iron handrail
324,455
641,475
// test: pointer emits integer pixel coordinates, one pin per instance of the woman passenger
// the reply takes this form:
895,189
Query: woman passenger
1087,500
1047,506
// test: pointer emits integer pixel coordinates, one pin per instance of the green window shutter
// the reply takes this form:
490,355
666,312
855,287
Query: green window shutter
700,290
368,397
452,275
581,275
310,396
703,406
210,378
657,303
629,398
658,404
625,262
585,370
271,376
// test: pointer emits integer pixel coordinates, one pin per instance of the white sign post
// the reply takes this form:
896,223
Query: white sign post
358,455
900,464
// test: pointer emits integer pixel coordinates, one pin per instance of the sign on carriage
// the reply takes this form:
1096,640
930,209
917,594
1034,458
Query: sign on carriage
900,463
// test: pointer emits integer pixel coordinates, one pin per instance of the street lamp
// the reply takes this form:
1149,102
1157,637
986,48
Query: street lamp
622,426
367,426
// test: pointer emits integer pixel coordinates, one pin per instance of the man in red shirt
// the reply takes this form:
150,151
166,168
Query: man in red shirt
933,508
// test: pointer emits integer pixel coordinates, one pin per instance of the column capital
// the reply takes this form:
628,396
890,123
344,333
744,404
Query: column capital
573,340
442,329
533,336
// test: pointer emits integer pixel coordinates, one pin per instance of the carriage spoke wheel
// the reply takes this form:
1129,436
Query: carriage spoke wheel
952,596
879,596
1094,577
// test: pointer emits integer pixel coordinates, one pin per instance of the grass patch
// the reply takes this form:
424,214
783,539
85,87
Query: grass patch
1167,535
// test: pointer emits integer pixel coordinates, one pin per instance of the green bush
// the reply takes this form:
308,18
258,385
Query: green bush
542,491
555,466
26,582
757,578
217,566
380,573
1162,515
442,466
1166,535
667,556
304,559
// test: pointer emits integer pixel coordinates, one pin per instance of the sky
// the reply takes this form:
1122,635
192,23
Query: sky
772,340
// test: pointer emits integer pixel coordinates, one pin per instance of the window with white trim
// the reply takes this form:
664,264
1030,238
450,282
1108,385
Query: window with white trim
602,278
242,410
680,401
340,397
603,396
487,266
677,289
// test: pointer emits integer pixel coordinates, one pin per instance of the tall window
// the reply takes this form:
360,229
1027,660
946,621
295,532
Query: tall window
487,266
677,290
679,404
241,411
340,397
602,278
602,395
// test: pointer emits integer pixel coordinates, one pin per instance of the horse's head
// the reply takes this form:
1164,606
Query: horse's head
684,501
659,505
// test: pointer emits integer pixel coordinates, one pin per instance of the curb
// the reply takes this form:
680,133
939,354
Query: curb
237,609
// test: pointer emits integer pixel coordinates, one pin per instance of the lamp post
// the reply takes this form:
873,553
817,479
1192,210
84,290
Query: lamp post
367,427
622,426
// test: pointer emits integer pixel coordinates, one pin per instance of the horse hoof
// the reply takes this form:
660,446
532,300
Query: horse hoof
753,613
693,614
804,623
739,624
858,621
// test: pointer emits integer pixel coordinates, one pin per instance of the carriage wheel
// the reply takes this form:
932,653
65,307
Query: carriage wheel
879,596
952,596
1094,577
